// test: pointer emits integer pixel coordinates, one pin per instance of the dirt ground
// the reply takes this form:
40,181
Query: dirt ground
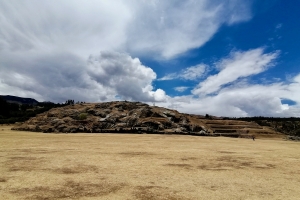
123,166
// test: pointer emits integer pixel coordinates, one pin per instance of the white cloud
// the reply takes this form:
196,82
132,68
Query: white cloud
194,72
45,48
44,45
164,28
238,65
246,100
190,73
100,78
169,77
173,27
278,26
125,75
181,89
67,26
159,95
242,98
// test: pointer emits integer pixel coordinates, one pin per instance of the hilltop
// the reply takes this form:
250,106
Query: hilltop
137,117
18,109
19,100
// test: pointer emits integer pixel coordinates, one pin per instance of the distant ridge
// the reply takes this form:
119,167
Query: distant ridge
19,100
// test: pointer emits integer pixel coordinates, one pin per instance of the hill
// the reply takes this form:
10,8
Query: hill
289,126
137,117
18,109
19,100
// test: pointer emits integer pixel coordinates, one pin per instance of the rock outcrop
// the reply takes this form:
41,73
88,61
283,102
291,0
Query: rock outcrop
120,116
137,117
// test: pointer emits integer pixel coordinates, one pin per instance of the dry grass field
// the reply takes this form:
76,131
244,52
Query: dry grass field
123,166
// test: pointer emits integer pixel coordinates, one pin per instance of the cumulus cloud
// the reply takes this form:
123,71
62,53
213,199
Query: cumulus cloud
99,78
190,73
44,45
45,50
125,75
237,65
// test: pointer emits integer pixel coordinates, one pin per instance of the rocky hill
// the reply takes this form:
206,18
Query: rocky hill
135,117
110,117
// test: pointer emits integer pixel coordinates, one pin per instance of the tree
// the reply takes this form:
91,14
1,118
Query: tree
4,108
69,102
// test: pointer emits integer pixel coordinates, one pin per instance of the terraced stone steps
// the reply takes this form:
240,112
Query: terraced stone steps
235,126
230,126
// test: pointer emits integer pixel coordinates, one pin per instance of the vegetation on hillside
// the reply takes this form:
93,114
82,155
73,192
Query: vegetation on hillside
288,126
13,112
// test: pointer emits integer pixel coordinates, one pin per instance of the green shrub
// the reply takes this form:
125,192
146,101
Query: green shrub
82,116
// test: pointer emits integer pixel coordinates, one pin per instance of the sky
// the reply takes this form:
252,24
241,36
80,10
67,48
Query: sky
235,58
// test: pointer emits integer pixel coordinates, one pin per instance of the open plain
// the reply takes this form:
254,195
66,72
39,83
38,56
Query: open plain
131,166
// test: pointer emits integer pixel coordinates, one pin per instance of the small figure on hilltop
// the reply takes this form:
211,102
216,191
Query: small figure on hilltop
253,137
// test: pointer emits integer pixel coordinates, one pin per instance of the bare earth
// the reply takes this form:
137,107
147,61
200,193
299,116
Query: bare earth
123,166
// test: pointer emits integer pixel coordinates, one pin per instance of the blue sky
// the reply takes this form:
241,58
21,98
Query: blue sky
273,27
225,58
